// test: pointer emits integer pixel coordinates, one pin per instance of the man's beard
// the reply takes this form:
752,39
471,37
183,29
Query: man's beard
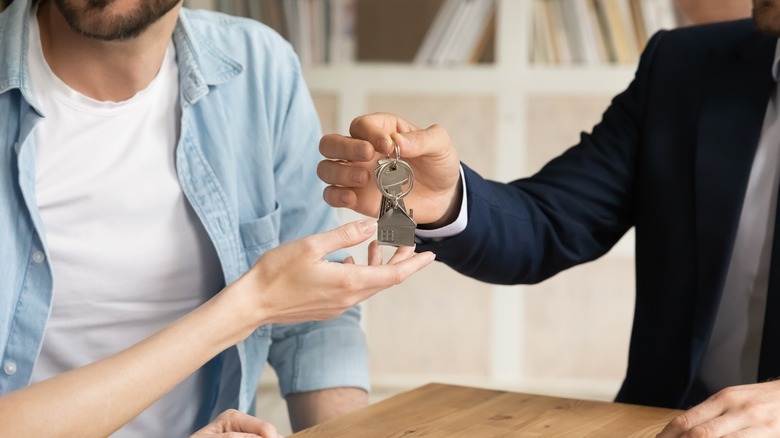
95,20
766,16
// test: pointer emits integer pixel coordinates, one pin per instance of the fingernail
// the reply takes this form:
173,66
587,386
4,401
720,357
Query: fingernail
398,138
367,226
389,144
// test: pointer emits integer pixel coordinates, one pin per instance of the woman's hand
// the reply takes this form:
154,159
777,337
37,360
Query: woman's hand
235,424
294,282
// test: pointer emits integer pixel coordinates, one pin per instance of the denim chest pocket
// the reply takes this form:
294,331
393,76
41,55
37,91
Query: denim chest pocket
261,234
258,236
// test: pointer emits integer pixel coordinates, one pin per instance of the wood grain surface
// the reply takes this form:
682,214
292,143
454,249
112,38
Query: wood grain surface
437,410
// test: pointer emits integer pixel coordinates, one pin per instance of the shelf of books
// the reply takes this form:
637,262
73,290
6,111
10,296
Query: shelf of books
596,32
404,45
447,33
430,32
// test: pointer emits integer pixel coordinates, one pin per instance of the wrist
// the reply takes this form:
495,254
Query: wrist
241,309
451,212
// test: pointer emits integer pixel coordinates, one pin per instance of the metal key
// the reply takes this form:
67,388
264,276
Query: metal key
390,183
395,225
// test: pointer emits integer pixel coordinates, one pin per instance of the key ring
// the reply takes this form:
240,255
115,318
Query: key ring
398,157
394,165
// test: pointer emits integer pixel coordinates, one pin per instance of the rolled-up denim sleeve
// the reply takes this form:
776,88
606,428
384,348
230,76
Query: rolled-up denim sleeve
319,355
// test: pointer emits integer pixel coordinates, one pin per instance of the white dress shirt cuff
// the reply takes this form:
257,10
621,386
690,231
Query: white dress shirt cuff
455,227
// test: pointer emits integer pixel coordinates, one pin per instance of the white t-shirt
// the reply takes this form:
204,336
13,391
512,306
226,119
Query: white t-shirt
128,253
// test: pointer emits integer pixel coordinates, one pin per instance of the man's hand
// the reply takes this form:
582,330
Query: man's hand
740,411
349,169
294,282
235,424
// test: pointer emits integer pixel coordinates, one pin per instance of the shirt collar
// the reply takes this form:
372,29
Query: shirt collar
14,33
201,62
777,60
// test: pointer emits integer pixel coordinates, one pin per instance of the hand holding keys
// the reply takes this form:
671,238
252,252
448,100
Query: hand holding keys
350,168
395,226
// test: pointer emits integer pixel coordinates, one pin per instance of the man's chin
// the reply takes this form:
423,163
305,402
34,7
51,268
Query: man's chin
121,35
766,16
768,29
99,23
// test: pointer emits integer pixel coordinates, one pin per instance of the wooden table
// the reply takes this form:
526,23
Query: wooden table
437,410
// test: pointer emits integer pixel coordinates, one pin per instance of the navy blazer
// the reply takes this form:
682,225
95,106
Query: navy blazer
671,157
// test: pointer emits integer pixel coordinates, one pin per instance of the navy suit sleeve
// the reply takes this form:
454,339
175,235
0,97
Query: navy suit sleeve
572,211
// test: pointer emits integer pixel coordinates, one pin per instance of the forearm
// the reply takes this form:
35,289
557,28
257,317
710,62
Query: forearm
309,408
99,398
528,230
290,283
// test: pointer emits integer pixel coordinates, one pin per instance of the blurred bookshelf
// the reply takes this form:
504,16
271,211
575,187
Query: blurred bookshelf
597,32
457,32
432,32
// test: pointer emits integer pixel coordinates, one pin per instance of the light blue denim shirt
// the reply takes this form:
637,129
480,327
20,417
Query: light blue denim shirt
246,162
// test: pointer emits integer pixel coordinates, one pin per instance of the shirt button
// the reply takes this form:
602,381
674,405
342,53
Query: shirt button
9,367
38,257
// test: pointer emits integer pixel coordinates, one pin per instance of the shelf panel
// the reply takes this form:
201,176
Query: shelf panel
402,77
578,80
474,79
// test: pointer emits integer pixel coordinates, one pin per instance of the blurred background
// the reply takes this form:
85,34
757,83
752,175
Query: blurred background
514,82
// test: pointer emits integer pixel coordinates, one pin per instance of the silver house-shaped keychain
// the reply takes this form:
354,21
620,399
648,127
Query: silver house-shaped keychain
395,226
